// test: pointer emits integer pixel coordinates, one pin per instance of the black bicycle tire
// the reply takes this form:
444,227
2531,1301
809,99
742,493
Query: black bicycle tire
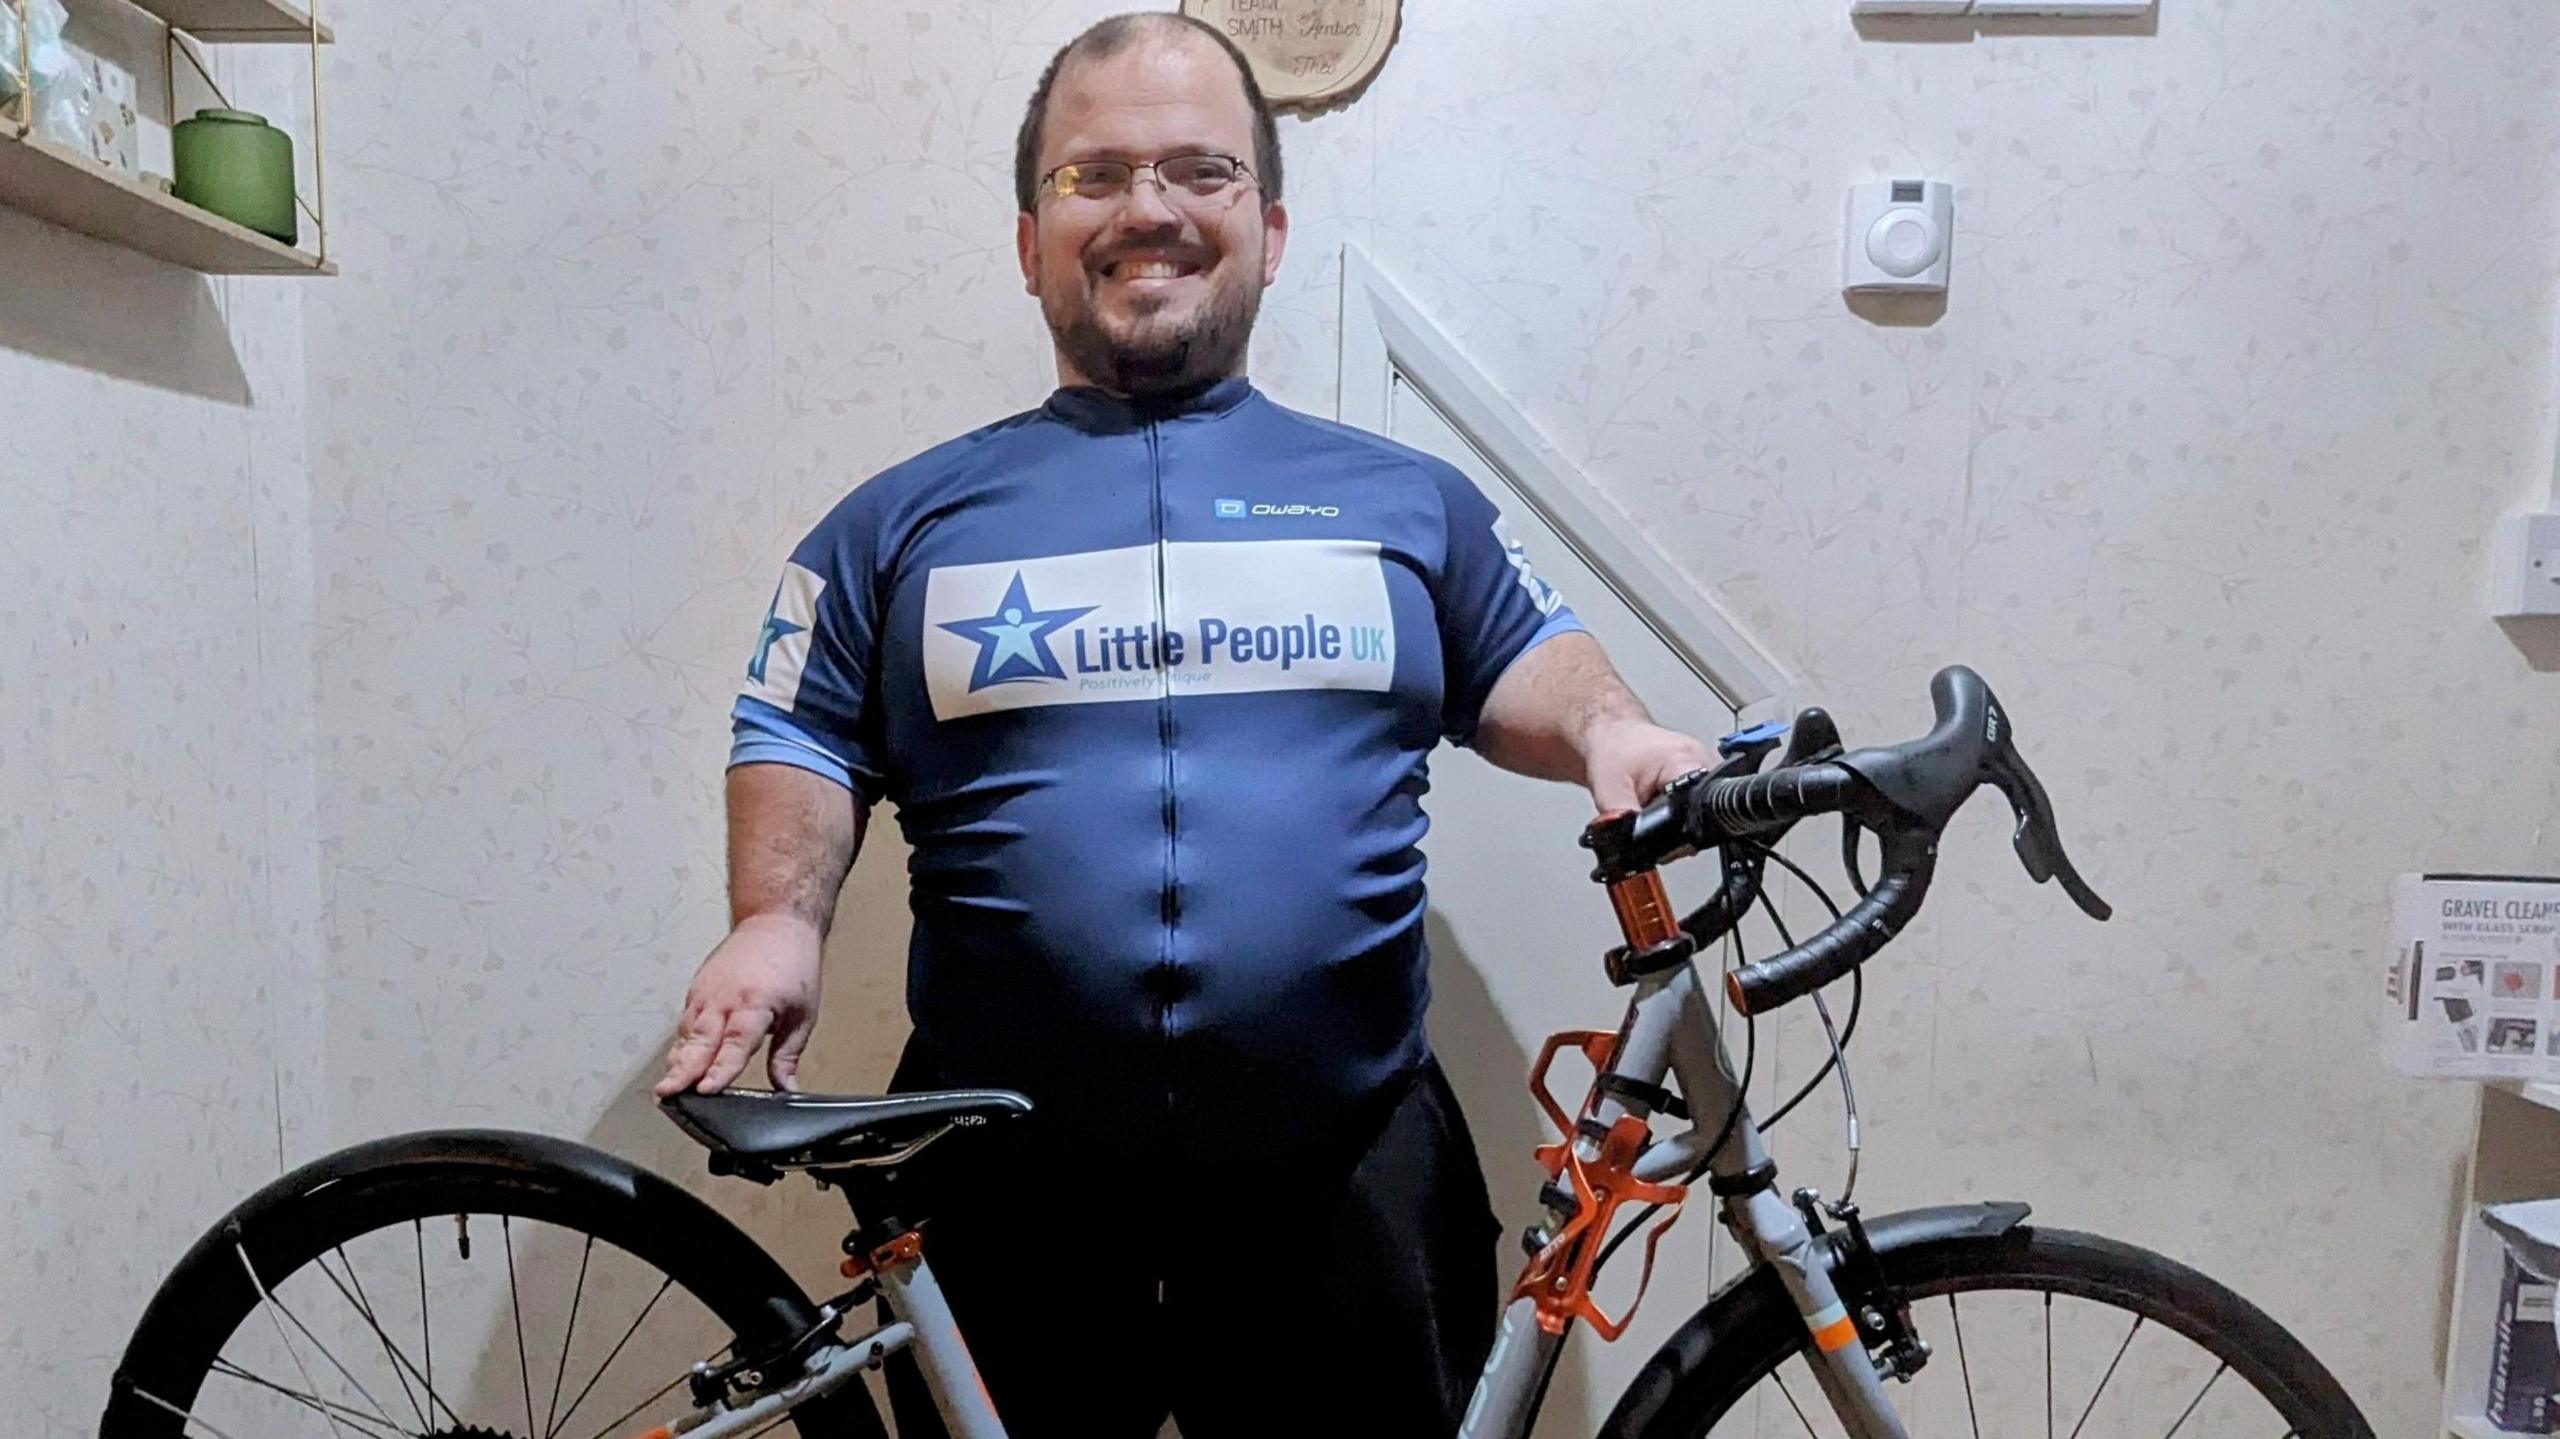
1728,1348
369,1187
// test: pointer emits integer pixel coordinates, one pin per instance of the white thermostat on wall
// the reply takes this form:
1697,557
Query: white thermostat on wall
1900,232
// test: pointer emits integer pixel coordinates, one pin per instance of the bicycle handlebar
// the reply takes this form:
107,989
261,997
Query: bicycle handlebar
1906,793
1841,946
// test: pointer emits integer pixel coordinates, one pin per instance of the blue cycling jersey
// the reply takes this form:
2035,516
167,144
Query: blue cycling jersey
1152,686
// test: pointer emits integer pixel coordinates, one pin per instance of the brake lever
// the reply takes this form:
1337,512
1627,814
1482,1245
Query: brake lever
2038,839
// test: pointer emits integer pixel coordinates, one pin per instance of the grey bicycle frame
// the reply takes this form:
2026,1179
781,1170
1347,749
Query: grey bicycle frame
1670,1029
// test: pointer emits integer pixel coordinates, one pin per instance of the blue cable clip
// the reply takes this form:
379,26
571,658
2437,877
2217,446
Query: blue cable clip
1759,736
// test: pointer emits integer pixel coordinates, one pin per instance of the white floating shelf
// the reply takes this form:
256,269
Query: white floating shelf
69,189
237,22
2063,9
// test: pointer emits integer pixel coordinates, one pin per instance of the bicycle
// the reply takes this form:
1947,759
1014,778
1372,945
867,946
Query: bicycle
1846,1295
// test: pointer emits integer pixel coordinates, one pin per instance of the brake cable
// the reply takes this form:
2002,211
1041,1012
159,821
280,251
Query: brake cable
1724,1131
1750,1054
1857,985
1839,1042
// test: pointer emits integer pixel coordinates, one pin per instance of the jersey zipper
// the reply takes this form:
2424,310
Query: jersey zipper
1171,902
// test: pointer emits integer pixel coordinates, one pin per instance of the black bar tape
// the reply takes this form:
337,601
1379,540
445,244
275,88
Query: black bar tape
1748,804
1763,985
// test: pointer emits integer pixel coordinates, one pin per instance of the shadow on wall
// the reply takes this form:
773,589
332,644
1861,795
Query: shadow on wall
2537,639
861,1027
1489,1070
1911,312
101,308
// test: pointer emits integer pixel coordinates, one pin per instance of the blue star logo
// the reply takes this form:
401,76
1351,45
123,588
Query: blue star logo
775,628
1013,642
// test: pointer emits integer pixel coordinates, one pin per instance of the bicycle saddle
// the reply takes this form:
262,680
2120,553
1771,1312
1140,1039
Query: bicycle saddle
814,1131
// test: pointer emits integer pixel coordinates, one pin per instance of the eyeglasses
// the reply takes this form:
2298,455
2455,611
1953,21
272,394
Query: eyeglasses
1185,179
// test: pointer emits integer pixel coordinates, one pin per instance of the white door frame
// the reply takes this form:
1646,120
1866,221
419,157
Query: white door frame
1385,335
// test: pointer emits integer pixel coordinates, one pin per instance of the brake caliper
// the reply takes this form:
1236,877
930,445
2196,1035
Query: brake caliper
1883,1315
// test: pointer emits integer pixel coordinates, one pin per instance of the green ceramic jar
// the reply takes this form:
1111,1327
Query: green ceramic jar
238,166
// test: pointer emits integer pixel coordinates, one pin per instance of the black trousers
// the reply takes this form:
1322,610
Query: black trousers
1350,1293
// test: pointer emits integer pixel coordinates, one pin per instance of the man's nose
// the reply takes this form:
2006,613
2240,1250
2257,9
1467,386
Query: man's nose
1147,206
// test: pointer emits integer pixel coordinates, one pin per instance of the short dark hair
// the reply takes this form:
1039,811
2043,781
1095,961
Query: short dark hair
1110,37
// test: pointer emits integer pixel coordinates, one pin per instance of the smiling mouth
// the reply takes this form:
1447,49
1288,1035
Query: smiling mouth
1149,270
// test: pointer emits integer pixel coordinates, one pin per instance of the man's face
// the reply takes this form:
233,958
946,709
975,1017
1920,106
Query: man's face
1150,291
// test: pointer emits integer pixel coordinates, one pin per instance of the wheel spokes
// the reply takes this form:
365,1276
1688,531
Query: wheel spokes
327,1408
184,1418
515,1302
324,1385
426,1325
1972,1412
2048,1365
551,1416
617,1421
2196,1403
1792,1404
273,1310
615,1353
2083,1359
2112,1366
400,1360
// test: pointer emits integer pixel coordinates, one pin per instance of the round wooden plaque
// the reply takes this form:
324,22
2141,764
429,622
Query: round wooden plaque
1306,54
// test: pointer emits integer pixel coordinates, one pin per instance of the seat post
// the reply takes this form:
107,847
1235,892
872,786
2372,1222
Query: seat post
883,1203
880,1201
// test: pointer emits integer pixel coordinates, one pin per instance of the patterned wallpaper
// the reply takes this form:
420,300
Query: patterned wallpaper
160,947
2250,342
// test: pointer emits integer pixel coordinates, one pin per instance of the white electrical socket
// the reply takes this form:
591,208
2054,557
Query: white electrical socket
2525,566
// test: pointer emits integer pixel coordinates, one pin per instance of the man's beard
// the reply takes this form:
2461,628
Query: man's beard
1165,361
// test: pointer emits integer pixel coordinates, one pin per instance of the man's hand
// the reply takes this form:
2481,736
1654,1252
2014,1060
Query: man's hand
762,979
1561,712
1628,762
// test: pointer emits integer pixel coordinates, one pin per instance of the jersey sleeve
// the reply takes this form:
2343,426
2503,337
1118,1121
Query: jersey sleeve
1493,607
810,694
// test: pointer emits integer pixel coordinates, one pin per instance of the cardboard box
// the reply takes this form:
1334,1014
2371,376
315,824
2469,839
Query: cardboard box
2524,1363
2474,988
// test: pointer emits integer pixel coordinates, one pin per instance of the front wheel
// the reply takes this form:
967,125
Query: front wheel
2032,1331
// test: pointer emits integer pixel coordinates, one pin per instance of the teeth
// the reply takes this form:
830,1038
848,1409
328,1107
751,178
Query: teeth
1147,270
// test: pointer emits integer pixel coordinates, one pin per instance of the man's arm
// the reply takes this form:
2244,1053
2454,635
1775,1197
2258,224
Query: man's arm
1560,712
792,838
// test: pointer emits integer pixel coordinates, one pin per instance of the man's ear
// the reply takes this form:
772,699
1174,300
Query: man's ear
1275,238
1026,246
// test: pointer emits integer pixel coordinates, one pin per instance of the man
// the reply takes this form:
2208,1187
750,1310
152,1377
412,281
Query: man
1152,673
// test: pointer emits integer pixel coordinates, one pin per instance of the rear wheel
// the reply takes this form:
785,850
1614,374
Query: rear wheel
2034,1331
464,1285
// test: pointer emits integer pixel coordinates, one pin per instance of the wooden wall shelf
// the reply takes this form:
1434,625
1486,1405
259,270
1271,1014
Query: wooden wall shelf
71,190
237,22
62,186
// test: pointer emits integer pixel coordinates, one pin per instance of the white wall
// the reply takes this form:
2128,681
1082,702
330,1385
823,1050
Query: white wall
159,888
2250,343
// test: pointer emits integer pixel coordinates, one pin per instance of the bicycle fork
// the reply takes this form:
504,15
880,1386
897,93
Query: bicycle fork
1605,1161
